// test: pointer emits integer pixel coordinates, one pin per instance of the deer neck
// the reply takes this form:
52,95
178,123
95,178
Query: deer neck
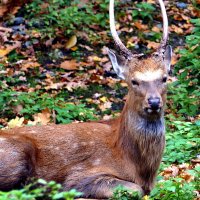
136,134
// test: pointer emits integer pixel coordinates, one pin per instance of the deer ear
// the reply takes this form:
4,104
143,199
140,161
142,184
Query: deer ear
119,69
168,57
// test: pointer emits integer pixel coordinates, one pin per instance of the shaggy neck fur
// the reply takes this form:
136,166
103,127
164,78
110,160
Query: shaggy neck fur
136,127
141,142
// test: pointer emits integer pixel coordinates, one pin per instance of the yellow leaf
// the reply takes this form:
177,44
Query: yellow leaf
17,122
95,58
6,50
71,42
74,48
146,197
103,99
151,1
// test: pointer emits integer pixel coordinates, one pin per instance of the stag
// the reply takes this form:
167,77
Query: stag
95,157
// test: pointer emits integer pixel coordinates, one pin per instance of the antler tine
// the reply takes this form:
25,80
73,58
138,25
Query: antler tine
115,36
165,27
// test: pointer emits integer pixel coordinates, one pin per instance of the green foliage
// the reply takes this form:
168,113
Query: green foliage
173,189
40,190
34,102
177,188
184,102
121,193
14,57
70,112
66,16
144,11
183,142
186,90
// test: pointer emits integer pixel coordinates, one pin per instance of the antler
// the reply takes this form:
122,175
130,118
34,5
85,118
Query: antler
164,40
115,36
127,53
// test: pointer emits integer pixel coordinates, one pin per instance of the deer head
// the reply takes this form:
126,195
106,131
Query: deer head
146,77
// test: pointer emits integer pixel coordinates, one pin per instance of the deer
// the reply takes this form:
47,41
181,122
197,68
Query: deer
95,157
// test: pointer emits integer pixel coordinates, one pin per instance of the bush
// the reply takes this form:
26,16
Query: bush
186,90
177,188
182,142
34,102
40,190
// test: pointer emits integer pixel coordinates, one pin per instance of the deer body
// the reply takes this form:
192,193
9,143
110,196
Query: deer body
96,157
64,154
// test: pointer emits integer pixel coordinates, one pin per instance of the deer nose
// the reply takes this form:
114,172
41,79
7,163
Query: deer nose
154,103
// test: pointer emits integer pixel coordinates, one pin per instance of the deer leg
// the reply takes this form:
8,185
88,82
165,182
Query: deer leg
102,186
17,158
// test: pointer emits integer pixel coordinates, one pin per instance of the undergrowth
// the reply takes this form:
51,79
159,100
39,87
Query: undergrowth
35,102
66,16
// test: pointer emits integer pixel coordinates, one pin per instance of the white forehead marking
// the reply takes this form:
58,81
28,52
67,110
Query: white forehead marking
148,75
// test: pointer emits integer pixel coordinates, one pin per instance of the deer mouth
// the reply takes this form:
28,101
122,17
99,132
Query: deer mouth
152,111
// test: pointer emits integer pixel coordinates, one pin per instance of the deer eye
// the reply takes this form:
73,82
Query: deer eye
164,80
134,82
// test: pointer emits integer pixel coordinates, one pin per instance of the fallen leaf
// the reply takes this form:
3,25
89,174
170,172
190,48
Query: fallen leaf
69,65
146,197
71,42
140,26
103,99
156,29
107,117
17,122
171,171
29,64
197,160
123,84
6,50
152,45
188,177
176,29
174,59
97,59
105,106
74,48
55,86
74,85
151,1
43,117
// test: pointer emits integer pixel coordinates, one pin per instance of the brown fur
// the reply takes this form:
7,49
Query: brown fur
93,157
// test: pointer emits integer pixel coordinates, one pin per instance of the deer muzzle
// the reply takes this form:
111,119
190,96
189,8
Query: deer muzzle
154,105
